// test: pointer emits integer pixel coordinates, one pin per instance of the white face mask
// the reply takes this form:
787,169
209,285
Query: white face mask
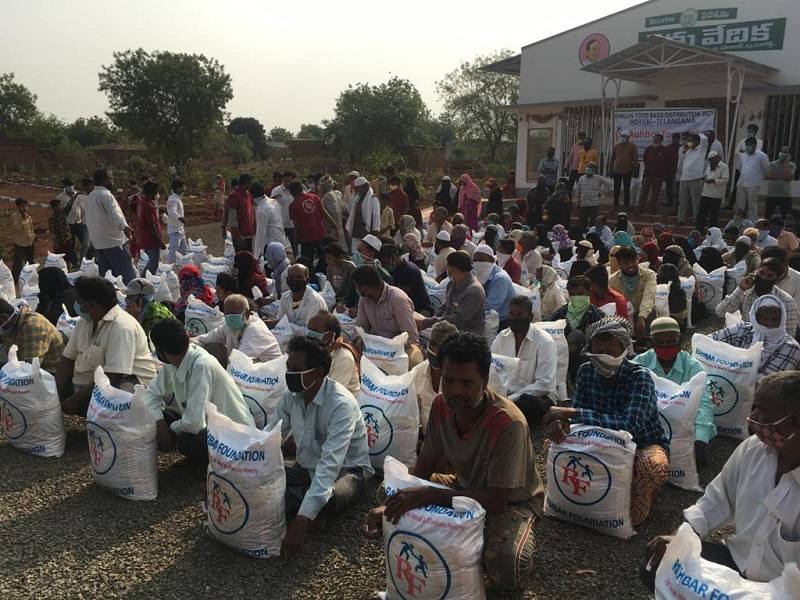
606,364
502,258
482,270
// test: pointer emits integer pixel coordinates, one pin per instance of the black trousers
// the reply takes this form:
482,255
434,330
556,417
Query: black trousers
707,213
309,251
573,177
670,188
21,255
623,179
784,205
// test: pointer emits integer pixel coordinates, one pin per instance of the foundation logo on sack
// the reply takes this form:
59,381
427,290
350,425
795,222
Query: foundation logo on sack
228,511
196,326
706,292
12,420
724,395
258,412
417,569
580,477
665,426
102,449
379,429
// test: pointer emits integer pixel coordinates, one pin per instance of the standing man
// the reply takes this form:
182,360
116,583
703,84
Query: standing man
754,164
573,160
548,168
752,132
780,174
670,178
150,240
219,196
307,212
75,210
714,183
349,193
656,168
67,198
175,222
398,199
714,145
22,236
240,215
269,222
59,233
108,230
365,214
587,194
624,159
692,169
284,197
587,155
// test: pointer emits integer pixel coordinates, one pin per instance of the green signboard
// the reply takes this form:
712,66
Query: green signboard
729,37
690,16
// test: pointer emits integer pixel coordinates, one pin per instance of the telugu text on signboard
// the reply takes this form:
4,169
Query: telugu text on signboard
645,123
729,37
690,16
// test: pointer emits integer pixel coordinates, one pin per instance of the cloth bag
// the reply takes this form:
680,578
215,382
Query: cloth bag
201,318
556,331
389,355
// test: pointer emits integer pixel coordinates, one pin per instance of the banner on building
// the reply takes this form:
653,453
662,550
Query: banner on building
746,36
644,123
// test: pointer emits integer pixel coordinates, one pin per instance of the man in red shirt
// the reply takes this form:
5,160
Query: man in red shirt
398,199
240,215
148,228
507,260
600,294
308,215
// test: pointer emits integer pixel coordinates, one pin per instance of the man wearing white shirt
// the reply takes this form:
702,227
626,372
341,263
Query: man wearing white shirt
534,387
789,281
108,230
269,222
74,204
349,191
714,182
300,302
714,145
754,164
176,222
692,169
242,330
284,197
365,213
757,492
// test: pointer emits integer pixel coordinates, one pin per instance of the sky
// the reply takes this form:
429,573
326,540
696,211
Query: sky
288,61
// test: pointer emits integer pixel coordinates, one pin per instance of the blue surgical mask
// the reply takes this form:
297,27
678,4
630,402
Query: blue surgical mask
235,322
358,259
314,335
79,311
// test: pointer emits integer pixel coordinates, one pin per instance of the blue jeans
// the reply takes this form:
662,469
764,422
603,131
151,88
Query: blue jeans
118,260
152,260
177,242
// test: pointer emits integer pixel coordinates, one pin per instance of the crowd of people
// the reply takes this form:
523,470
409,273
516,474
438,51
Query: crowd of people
470,282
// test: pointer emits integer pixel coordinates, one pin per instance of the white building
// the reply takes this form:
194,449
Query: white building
560,78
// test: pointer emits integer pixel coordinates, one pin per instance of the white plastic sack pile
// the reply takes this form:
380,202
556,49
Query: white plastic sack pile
154,279
181,260
165,268
391,414
684,574
348,324
436,291
30,413
89,268
245,486
56,260
433,552
66,324
502,374
733,318
735,274
687,285
732,375
171,279
389,355
200,317
662,300
210,272
491,325
163,293
556,331
589,480
117,282
122,441
29,275
198,251
677,412
284,331
262,384
7,289
141,264
710,286
30,294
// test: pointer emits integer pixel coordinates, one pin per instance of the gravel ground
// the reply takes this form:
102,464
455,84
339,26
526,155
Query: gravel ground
62,537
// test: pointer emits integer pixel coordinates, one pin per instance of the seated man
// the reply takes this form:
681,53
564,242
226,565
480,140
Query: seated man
534,389
332,455
757,492
243,330
408,277
496,282
300,302
227,284
486,441
366,253
32,333
465,300
612,392
667,360
638,285
190,378
327,329
428,373
601,295
442,249
386,310
106,336
140,305
789,282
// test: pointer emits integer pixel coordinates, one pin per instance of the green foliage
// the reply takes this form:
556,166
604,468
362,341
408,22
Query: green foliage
169,100
220,143
251,128
370,118
309,131
378,158
17,105
280,134
90,132
475,101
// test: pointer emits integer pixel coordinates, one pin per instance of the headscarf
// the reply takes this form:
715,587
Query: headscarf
668,273
613,263
710,259
561,236
549,278
192,284
491,236
406,224
688,251
622,222
541,234
714,239
617,327
772,338
277,262
664,240
623,238
695,238
250,274
458,236
601,252
327,184
651,250
415,251
742,248
469,190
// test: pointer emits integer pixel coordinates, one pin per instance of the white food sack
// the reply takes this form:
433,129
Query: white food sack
165,268
245,486
733,318
56,260
348,324
117,282
7,289
89,267
589,480
171,279
491,325
30,412
710,286
30,294
211,271
662,299
436,291
66,324
29,275
688,285
609,309
389,355
262,384
502,374
283,331
122,441
556,331
163,293
433,552
200,317
391,414
732,375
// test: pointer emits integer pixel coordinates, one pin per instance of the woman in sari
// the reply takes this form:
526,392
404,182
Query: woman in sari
469,201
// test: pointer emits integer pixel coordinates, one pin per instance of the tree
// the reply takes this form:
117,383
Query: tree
17,105
309,131
280,134
476,101
169,100
253,130
386,116
90,132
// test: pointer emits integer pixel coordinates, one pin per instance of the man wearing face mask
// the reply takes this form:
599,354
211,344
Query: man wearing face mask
465,300
754,164
365,213
758,284
613,392
691,174
192,377
638,285
548,167
140,305
756,495
496,283
442,249
780,174
485,440
32,334
624,159
106,336
587,194
242,330
534,387
300,302
366,253
327,329
667,360
332,456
